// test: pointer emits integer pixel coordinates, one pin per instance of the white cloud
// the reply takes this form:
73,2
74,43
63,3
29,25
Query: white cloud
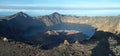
77,5
65,11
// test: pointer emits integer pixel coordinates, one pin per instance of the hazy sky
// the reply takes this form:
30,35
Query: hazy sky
72,7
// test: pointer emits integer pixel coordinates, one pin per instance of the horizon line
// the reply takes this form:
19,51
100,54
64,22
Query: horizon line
58,13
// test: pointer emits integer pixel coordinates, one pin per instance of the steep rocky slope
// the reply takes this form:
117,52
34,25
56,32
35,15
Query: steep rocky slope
15,25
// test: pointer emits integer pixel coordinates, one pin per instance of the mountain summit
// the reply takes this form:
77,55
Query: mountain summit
55,13
55,18
19,15
22,14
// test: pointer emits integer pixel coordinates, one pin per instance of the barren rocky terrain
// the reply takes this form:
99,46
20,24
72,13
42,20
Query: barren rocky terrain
101,44
34,36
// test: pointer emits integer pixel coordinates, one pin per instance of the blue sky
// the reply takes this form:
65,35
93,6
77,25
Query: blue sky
70,7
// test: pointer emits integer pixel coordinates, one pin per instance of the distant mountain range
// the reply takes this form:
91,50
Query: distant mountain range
21,24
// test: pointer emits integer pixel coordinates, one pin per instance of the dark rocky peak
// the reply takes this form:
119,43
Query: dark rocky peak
22,14
55,18
55,14
19,15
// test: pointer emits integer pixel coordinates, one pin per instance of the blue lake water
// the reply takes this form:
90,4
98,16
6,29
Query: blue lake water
82,28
